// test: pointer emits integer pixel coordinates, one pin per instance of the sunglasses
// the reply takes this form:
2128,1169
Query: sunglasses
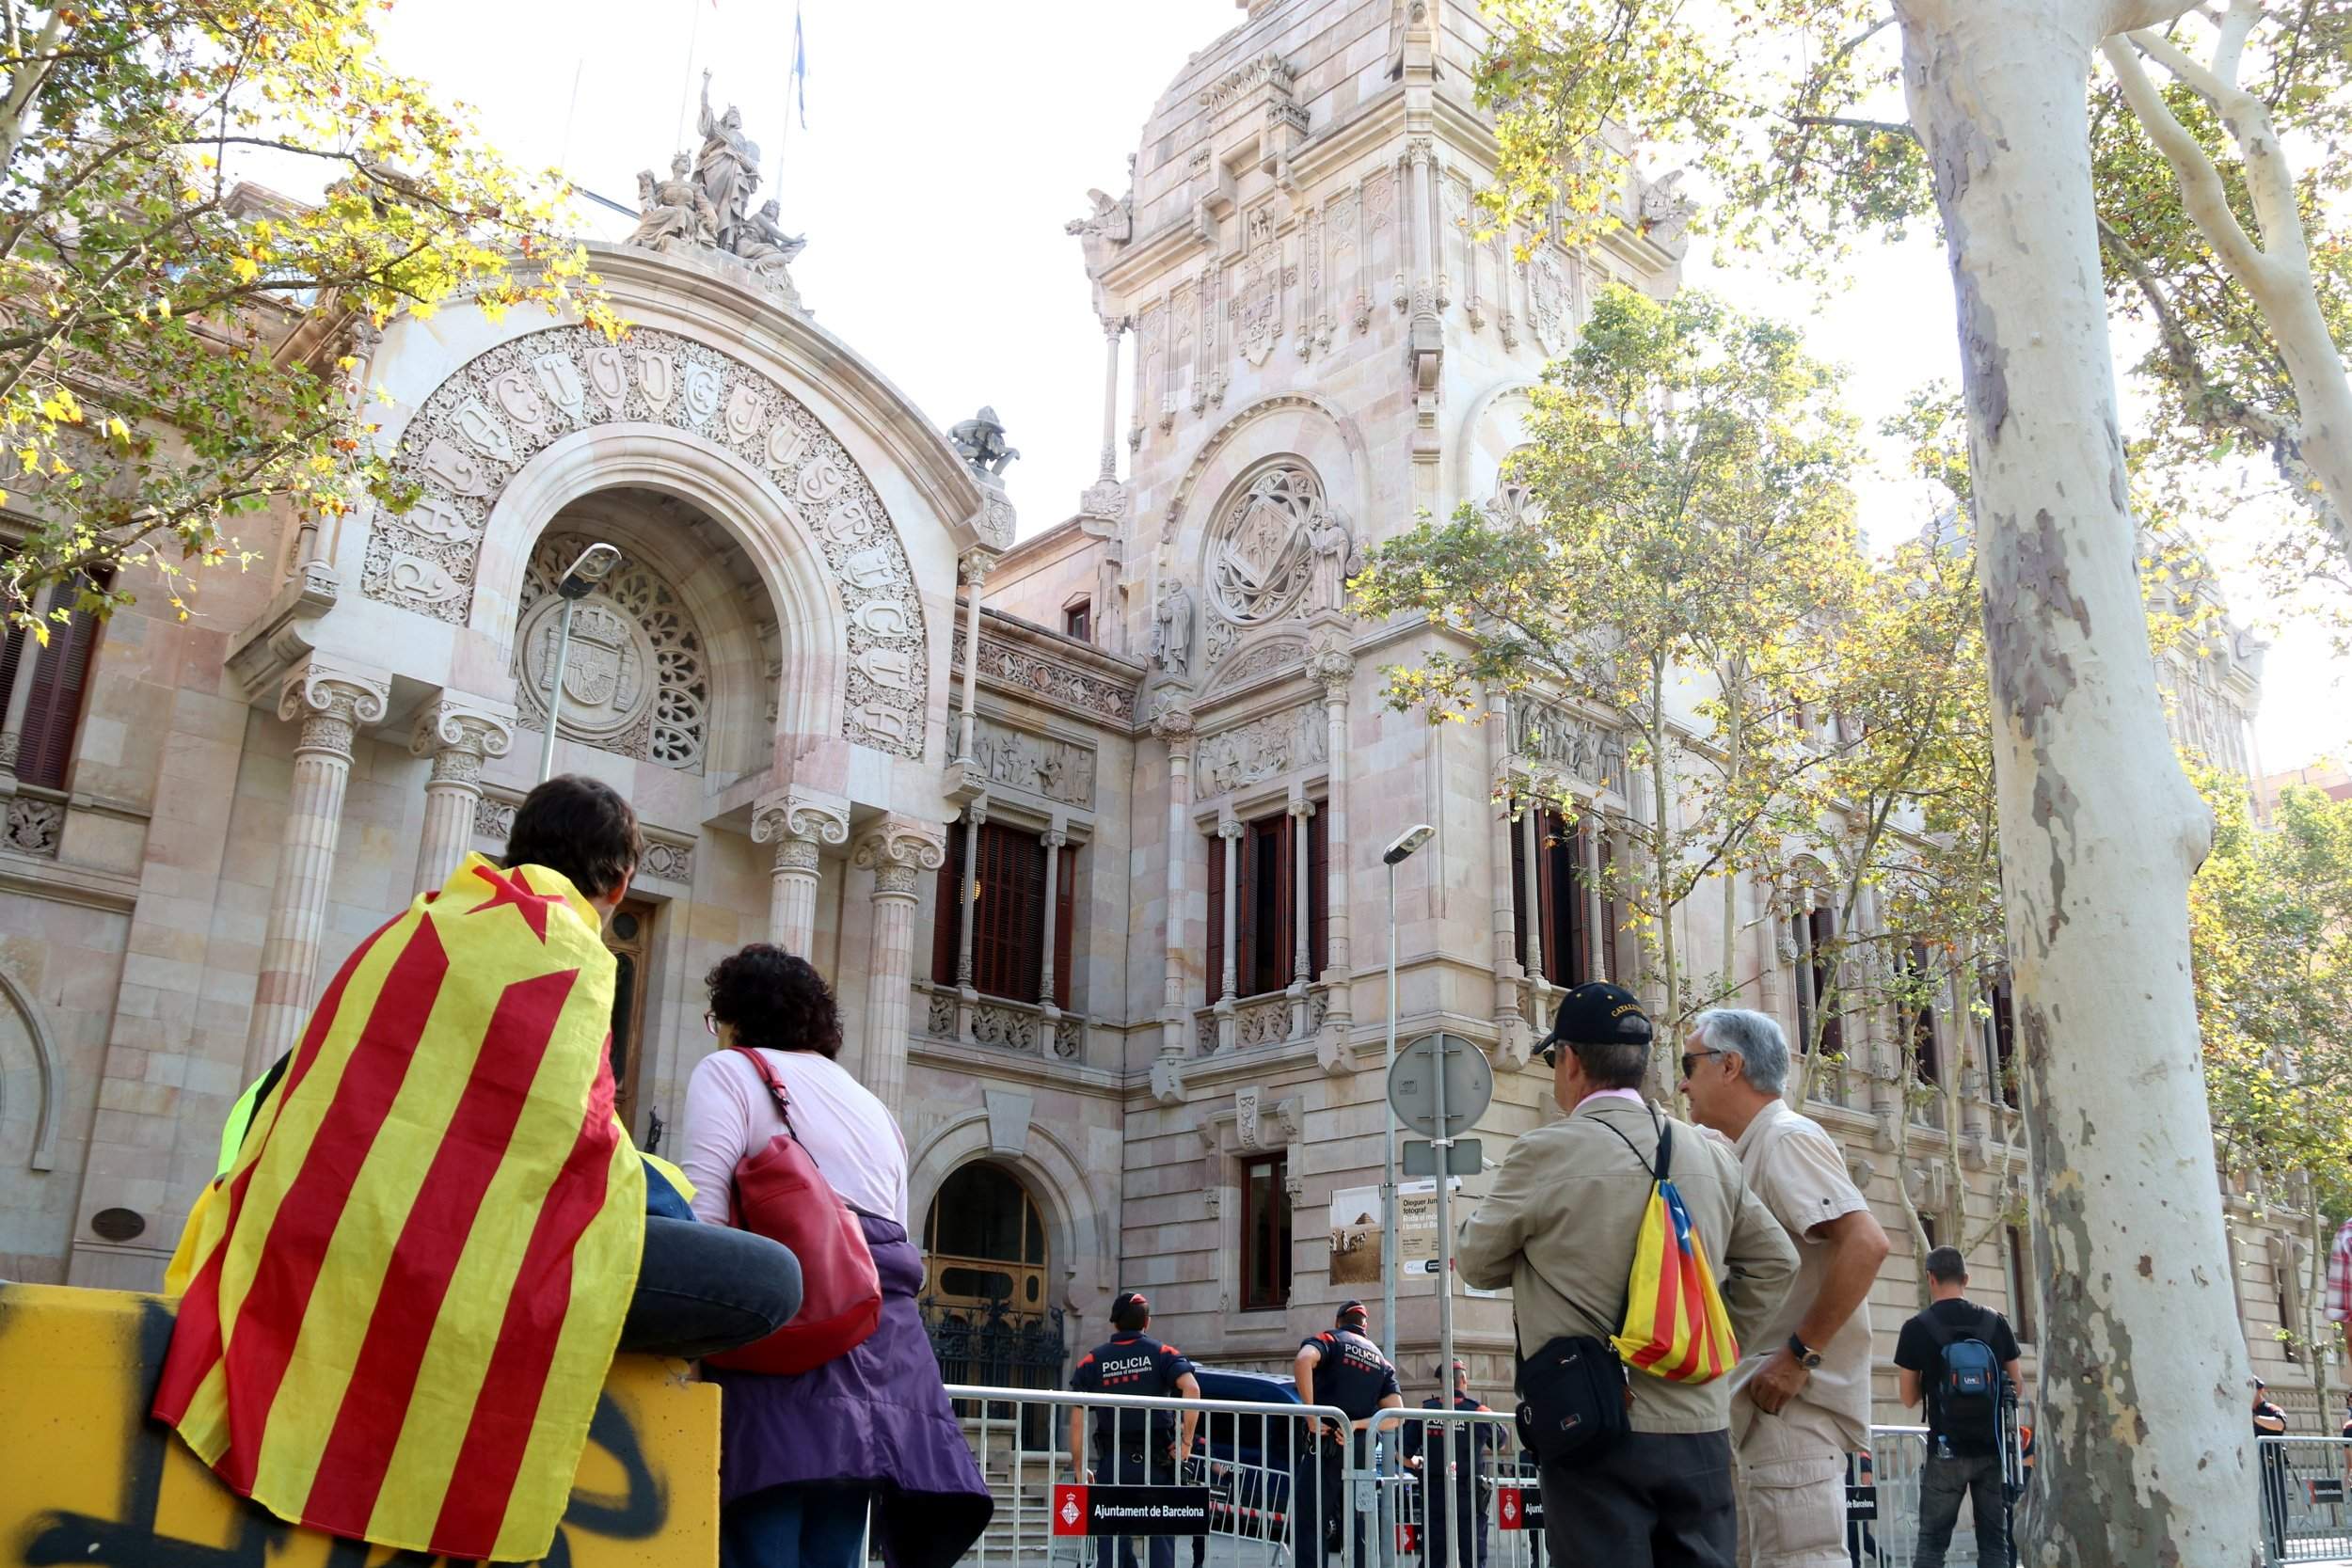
1692,1058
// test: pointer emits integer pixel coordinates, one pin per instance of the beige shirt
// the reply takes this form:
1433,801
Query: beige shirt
1799,1173
1560,1228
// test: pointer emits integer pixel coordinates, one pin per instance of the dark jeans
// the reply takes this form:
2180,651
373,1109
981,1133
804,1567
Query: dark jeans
794,1526
704,1288
1136,1469
1653,1499
1320,1506
2275,1489
1442,1527
1941,1484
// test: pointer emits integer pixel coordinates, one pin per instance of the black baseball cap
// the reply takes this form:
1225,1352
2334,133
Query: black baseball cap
1351,1309
1597,1013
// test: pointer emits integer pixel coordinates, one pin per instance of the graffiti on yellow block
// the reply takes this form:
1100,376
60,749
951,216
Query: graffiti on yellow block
86,1479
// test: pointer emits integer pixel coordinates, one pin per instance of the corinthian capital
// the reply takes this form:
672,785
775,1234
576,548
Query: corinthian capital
897,849
459,732
788,817
1175,725
332,702
1331,664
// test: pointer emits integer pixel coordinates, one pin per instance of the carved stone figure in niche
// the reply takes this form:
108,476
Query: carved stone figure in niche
1338,558
1100,236
673,212
981,441
727,168
1261,558
1171,631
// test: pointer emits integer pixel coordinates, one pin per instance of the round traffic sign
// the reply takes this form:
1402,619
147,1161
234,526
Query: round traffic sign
1413,1082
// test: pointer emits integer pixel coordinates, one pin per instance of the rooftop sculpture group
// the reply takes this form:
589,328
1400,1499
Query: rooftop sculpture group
704,204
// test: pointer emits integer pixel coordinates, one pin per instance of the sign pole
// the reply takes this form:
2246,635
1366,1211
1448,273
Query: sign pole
1443,1147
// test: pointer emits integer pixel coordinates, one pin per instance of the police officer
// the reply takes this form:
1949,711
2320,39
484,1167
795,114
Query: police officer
1134,1448
1339,1367
1441,1535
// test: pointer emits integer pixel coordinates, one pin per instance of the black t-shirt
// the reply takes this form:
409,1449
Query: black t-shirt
1351,1372
1130,1364
1467,1435
1919,1350
2266,1411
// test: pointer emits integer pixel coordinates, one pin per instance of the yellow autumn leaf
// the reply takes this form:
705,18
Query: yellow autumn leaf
246,268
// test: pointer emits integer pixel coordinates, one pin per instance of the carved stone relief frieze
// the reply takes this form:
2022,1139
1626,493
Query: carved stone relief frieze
1549,308
1039,765
1270,656
507,403
667,862
1052,678
1550,736
1260,749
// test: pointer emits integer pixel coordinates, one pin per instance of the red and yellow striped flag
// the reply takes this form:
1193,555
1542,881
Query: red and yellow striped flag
403,1294
1675,1323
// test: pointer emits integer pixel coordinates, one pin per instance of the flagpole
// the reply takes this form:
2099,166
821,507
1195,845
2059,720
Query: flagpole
686,84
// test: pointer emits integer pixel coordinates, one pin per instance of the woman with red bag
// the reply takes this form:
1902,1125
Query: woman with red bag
803,1456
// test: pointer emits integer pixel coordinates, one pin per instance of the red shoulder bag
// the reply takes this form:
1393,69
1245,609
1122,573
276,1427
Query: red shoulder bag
781,1195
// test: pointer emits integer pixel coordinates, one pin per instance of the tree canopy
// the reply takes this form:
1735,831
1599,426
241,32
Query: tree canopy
174,342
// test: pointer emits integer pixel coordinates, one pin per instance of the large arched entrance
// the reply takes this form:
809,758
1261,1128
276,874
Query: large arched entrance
985,1290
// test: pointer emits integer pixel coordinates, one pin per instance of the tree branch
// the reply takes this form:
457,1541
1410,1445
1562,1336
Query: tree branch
1883,127
2201,192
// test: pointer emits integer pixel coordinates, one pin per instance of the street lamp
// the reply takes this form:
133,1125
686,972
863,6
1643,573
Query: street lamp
1407,842
595,565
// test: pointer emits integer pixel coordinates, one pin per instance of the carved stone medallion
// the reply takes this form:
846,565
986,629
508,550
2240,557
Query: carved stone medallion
634,681
1261,554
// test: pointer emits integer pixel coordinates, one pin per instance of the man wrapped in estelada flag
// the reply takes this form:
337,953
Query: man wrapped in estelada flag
399,1300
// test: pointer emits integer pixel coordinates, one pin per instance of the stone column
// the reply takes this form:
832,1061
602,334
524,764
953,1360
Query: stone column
1422,153
1112,327
897,850
1502,911
800,827
973,570
1049,1040
1302,812
1175,727
1334,666
458,733
1596,906
1229,833
332,703
20,700
967,995
1531,871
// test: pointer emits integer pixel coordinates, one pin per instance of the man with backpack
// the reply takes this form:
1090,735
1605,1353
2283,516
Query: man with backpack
1962,1358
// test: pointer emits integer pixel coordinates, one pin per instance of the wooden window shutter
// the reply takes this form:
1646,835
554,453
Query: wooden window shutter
54,707
1026,857
1065,921
1612,912
1548,897
1216,918
1518,887
1287,913
948,923
1245,895
1319,891
10,654
1824,981
1579,886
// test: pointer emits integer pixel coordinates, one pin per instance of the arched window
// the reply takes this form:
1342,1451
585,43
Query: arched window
984,1242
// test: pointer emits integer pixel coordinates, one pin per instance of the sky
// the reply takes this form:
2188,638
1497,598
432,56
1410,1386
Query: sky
947,142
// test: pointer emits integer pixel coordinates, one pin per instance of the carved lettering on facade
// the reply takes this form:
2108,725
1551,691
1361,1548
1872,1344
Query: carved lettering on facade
482,424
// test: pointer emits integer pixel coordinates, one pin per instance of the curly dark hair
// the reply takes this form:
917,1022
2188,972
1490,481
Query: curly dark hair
579,827
774,1001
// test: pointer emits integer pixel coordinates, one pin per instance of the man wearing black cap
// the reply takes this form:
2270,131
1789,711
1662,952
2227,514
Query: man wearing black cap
1444,1530
1340,1367
1560,1228
1134,1448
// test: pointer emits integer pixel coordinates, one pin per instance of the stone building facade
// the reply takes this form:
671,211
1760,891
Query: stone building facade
1084,829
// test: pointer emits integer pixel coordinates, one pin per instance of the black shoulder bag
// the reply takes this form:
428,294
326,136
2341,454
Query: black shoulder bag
1575,1395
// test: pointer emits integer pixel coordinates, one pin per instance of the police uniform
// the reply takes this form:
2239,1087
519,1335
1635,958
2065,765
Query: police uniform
1144,1452
1472,1442
1351,1373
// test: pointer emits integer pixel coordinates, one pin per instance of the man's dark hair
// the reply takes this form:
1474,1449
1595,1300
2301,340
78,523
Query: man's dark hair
1616,1064
1946,1266
774,1001
580,828
1131,1314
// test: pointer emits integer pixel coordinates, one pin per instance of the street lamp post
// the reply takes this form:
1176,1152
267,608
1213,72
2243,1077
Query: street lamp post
595,565
1407,842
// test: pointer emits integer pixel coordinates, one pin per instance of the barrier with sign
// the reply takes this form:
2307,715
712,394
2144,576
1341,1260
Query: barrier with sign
2302,1484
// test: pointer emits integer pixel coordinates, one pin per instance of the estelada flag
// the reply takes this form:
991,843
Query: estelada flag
404,1295
1675,1323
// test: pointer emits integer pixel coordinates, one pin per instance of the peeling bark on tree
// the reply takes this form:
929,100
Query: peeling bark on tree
2144,1452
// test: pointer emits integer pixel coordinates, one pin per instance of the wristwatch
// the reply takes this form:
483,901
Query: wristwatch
1809,1359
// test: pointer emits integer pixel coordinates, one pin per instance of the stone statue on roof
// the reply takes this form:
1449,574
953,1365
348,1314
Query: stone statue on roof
981,441
673,212
727,168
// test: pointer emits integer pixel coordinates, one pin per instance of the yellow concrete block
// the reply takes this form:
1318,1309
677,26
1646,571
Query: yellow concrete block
86,1477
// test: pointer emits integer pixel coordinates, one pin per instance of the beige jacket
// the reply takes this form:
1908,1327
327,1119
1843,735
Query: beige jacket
1559,1229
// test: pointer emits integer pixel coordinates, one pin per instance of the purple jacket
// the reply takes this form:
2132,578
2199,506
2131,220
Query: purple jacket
876,1419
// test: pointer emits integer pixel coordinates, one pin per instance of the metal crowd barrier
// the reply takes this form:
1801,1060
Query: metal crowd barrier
1423,1487
2305,1517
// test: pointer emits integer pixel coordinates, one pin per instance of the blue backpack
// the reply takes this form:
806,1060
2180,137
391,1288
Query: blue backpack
1968,1386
